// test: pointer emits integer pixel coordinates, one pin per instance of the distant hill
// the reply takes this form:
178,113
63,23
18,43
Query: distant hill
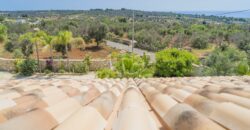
211,15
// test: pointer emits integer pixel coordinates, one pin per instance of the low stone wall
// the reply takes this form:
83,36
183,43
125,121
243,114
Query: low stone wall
96,64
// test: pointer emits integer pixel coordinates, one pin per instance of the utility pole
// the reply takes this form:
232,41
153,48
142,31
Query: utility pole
133,32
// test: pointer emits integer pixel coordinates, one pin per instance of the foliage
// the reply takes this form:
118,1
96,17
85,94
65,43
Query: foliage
61,71
225,61
17,54
62,41
28,39
150,40
243,68
78,43
17,65
200,42
39,38
3,33
26,47
98,32
47,71
244,44
28,67
2,18
82,67
9,46
64,37
174,62
106,73
130,65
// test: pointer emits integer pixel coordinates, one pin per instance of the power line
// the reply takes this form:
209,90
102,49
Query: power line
234,12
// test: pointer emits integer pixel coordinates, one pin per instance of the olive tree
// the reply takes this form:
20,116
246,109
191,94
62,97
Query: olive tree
98,32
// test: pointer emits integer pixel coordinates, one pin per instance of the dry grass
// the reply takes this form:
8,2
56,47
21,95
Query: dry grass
91,50
203,52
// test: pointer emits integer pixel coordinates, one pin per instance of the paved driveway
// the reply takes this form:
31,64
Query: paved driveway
128,48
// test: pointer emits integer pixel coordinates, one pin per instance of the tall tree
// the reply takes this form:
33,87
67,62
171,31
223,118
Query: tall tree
37,38
51,40
64,38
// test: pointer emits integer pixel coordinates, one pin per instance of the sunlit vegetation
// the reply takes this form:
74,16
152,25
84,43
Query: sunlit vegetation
65,32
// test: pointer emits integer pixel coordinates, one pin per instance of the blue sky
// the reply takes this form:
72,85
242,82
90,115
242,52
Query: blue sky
149,5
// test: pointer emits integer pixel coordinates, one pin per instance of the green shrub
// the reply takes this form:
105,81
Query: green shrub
28,67
17,54
47,71
128,66
82,67
61,66
225,61
150,40
61,71
243,69
17,64
26,47
200,42
9,46
174,62
106,73
133,66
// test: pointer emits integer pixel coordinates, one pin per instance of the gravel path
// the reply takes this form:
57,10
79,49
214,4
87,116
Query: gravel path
128,48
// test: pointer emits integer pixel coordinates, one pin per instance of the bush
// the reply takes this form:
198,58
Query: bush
82,67
243,69
150,40
174,62
106,73
17,64
78,43
17,54
9,46
61,48
97,31
61,71
26,47
47,71
133,66
225,61
200,42
28,67
128,66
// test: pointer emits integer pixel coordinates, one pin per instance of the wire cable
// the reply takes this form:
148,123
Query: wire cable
233,12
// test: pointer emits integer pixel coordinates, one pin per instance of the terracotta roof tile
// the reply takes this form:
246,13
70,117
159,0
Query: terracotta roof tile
189,103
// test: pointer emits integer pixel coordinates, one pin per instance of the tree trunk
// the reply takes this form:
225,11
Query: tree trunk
38,59
66,49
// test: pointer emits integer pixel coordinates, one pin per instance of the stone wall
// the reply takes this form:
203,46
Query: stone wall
96,64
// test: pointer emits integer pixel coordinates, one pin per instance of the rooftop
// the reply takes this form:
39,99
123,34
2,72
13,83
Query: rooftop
197,103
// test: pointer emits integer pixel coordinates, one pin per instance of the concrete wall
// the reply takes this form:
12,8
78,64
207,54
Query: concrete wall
96,64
